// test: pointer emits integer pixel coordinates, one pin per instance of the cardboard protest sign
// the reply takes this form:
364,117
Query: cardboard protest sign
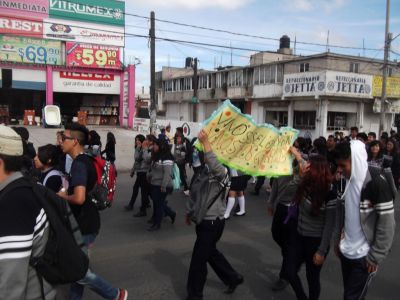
239,143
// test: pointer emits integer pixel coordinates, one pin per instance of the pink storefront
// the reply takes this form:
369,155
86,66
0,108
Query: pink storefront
51,54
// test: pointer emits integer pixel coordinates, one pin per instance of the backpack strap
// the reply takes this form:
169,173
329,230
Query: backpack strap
51,173
224,183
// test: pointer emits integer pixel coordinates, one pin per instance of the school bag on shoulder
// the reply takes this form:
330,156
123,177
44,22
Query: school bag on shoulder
63,260
102,194
205,191
386,174
176,177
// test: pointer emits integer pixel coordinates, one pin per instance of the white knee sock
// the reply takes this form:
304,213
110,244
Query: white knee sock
229,206
241,206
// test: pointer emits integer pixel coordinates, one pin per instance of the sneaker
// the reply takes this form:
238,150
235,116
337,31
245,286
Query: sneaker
122,294
279,285
240,214
187,192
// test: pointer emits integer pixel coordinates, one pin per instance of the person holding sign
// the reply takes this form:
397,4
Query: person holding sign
315,200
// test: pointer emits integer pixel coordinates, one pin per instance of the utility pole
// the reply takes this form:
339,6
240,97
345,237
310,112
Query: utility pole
195,87
385,70
153,111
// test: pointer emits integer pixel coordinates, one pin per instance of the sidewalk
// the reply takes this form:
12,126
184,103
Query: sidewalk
124,148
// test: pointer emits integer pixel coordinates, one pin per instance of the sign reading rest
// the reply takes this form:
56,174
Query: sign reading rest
92,56
257,150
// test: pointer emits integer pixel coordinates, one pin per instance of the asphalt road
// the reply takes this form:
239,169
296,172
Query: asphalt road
154,265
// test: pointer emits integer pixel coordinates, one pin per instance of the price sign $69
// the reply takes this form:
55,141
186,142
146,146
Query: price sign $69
99,57
33,54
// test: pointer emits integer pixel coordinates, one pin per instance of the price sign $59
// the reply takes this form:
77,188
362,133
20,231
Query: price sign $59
98,57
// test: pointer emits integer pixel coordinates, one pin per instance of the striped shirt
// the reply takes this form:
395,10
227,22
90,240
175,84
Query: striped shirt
23,234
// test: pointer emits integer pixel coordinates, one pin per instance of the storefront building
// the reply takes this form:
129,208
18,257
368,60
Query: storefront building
67,53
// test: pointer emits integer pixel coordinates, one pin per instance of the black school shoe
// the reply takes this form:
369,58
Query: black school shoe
232,287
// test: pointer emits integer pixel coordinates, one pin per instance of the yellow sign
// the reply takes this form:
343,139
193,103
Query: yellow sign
392,87
239,143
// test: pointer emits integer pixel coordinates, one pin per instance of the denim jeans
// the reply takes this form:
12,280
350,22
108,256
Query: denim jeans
93,281
161,207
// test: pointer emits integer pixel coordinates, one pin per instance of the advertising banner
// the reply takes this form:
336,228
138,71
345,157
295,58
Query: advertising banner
91,83
92,56
348,84
304,84
97,11
67,30
392,87
38,9
19,26
240,143
341,84
30,50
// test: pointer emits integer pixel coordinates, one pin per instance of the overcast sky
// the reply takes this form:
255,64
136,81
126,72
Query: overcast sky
348,23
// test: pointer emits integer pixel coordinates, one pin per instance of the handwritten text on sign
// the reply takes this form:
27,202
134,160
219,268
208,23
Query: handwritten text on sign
258,150
92,56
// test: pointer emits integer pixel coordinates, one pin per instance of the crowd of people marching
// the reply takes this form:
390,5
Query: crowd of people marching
342,190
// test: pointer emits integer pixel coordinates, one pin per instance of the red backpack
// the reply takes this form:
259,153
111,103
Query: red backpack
104,189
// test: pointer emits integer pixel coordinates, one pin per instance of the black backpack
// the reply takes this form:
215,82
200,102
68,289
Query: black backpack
63,261
189,151
386,174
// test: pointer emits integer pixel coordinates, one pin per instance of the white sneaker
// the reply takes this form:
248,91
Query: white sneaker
187,192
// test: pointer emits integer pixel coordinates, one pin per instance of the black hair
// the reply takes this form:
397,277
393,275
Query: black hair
12,163
78,131
22,132
302,144
372,144
140,137
320,146
363,136
395,147
354,128
331,136
342,151
372,134
111,138
48,155
164,152
94,138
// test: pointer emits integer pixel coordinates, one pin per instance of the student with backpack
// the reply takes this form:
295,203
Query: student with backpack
180,159
140,167
207,209
82,180
24,226
46,161
160,179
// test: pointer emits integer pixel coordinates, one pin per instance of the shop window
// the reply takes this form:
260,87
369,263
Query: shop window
336,121
354,67
277,118
304,67
6,78
304,119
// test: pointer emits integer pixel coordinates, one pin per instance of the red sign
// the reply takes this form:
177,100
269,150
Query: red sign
92,56
17,26
87,76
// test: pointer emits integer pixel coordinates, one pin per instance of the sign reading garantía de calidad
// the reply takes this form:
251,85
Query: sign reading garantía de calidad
240,143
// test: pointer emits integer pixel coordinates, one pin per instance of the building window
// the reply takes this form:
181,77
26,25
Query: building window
168,86
279,73
304,119
256,75
354,67
336,120
389,72
187,84
203,82
304,67
277,118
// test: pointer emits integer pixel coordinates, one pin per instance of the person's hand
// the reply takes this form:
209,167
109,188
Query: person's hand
371,267
62,193
304,168
270,211
145,144
163,190
295,152
132,173
318,259
203,136
188,221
